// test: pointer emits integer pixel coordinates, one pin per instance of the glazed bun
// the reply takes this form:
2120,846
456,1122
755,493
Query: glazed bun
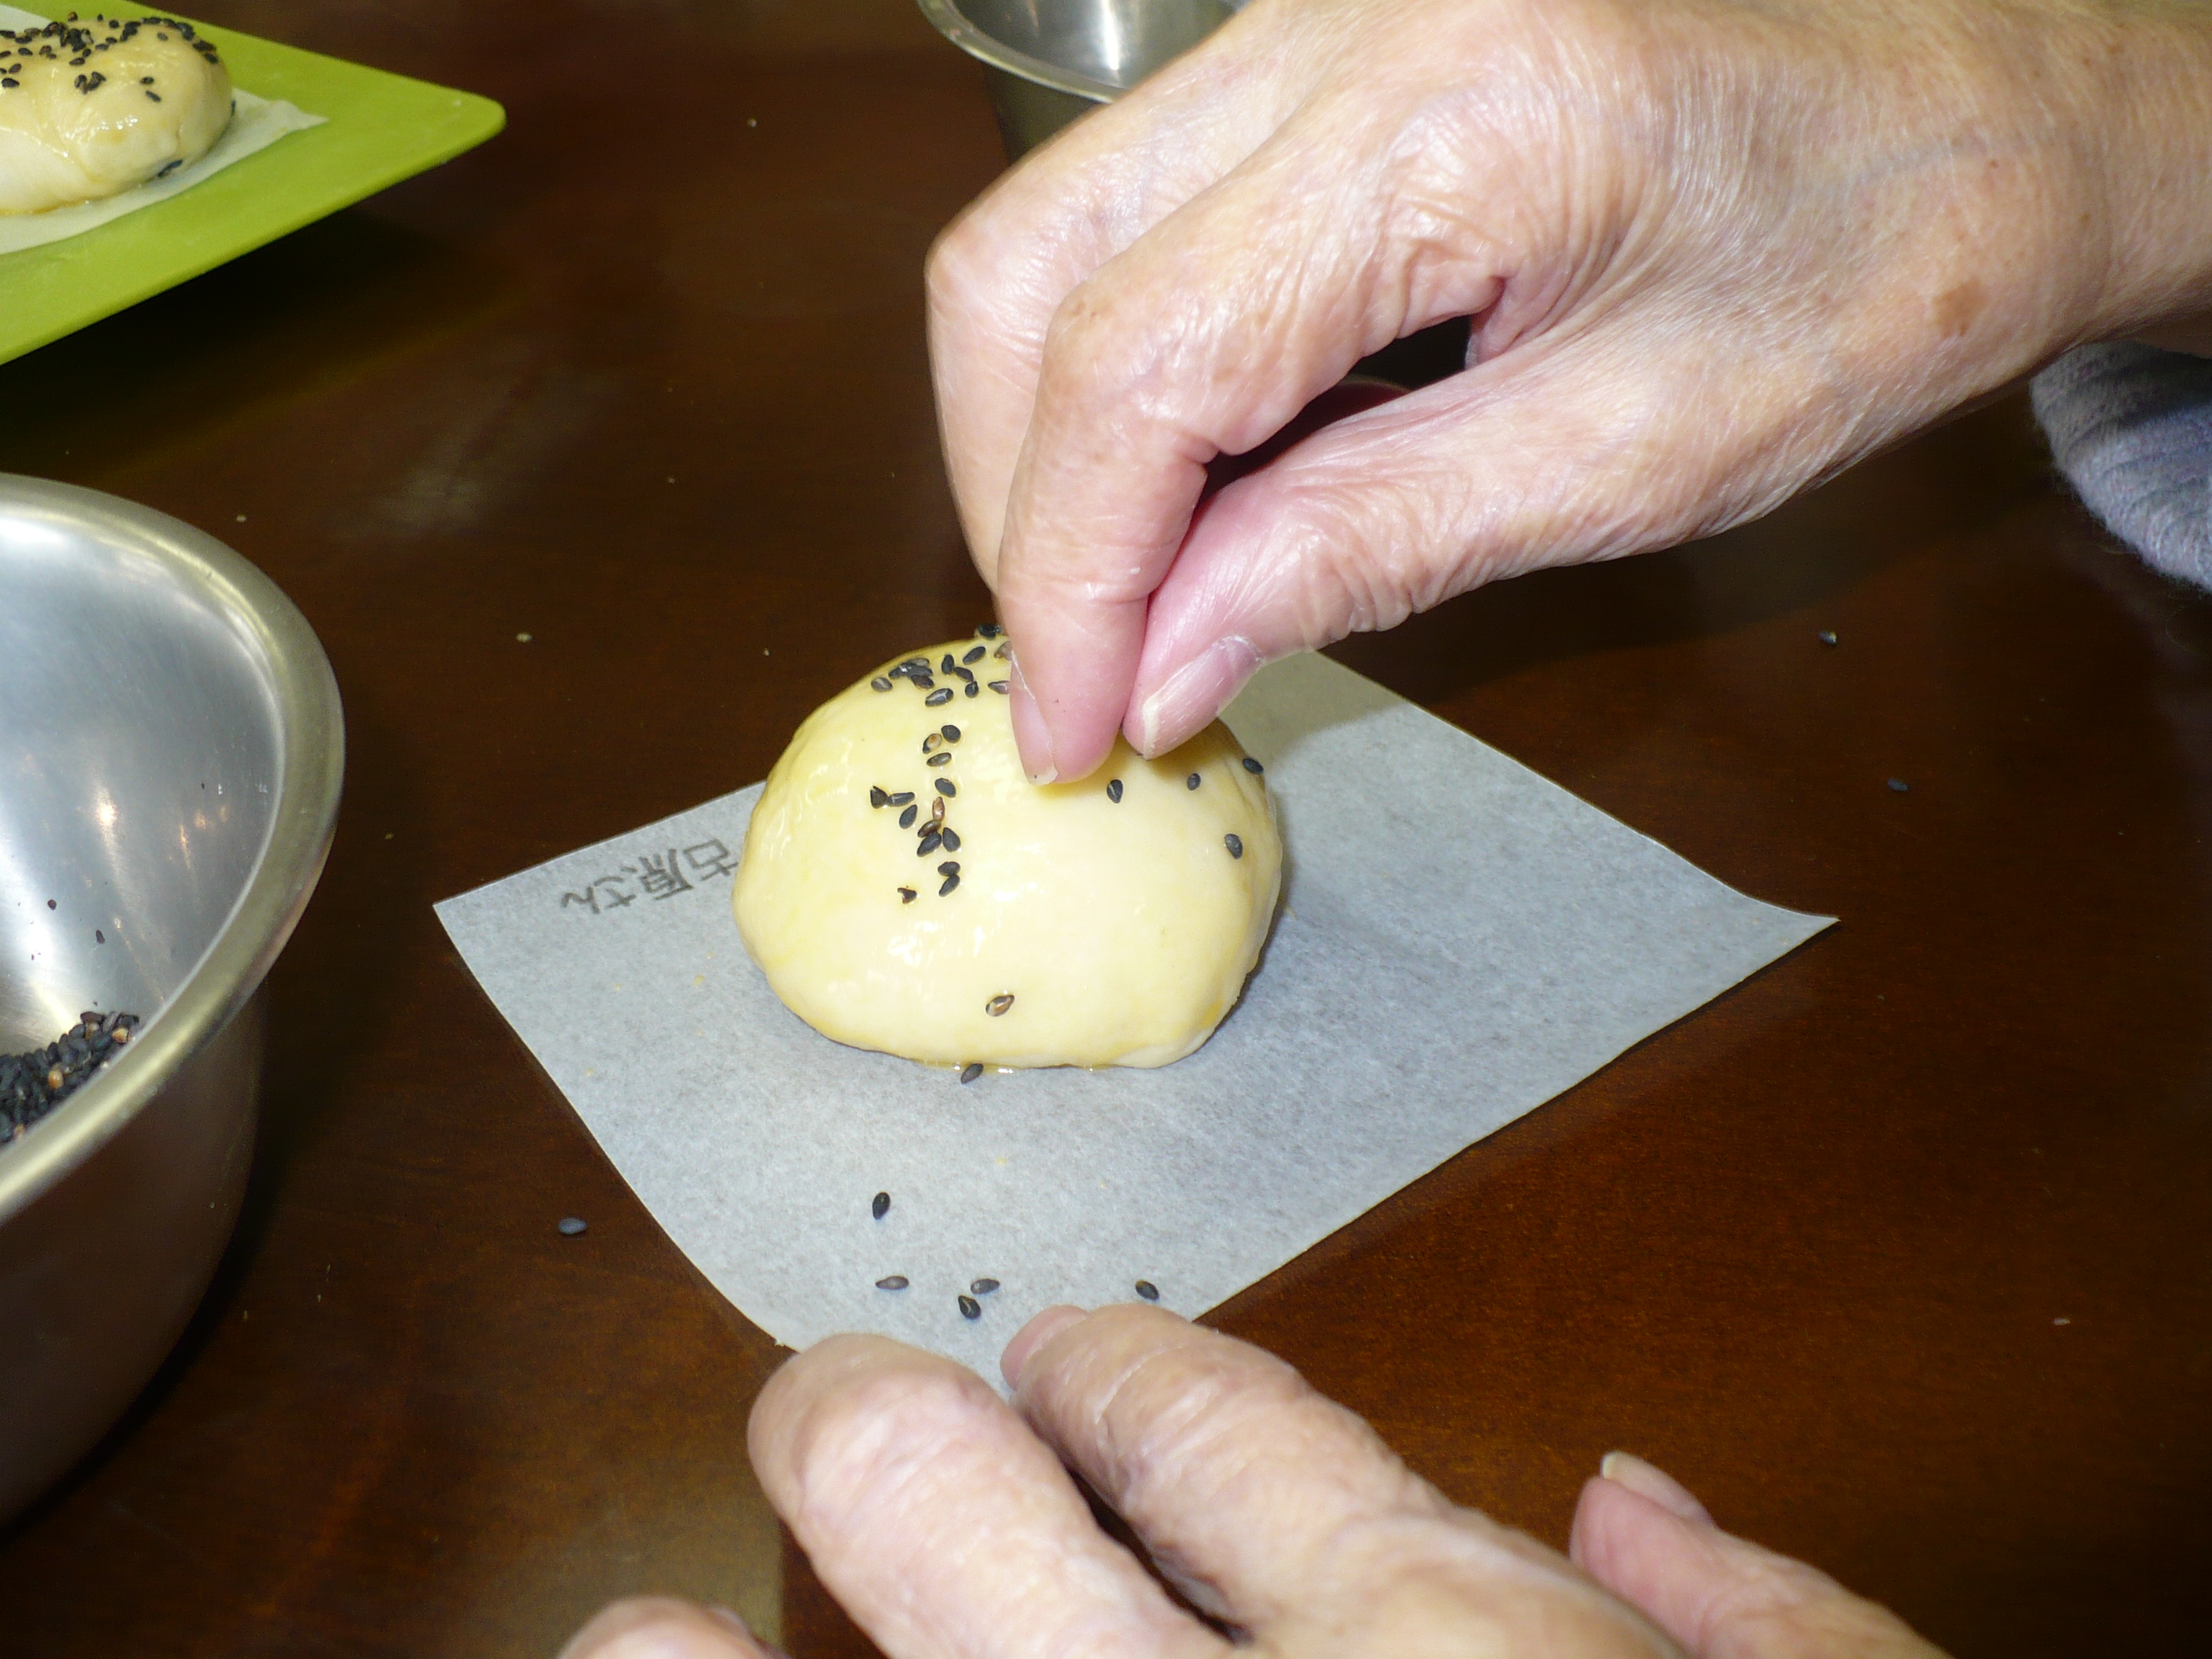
906,888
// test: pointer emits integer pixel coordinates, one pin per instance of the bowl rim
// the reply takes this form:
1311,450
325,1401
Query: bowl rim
310,777
954,26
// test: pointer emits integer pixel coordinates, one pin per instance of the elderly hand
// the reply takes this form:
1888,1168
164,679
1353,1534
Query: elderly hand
945,1522
1714,250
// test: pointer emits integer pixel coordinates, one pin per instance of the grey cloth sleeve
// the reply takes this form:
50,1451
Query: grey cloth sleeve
2132,426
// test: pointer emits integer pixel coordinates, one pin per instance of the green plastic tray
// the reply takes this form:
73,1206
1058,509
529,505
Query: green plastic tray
381,129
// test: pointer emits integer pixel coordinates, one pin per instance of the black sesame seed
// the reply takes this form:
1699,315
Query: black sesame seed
942,758
1828,636
877,796
984,1286
971,1071
971,689
946,666
906,896
951,840
898,674
929,843
1900,785
902,798
1147,1290
894,1282
937,810
879,1204
998,1004
961,674
1191,782
1234,844
947,789
990,630
1253,766
880,684
1001,686
569,1225
921,679
906,818
978,652
934,740
1114,790
950,868
941,696
970,1308
950,882
951,733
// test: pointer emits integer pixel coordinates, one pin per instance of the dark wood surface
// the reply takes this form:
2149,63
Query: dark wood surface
1900,1254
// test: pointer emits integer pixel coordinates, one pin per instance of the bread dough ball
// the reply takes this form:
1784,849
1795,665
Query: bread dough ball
88,110
1108,922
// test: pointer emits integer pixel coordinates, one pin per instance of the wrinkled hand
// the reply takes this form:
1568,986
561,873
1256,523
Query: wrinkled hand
1714,250
945,1524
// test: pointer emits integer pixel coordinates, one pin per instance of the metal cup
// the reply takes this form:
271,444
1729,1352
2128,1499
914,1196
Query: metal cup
1048,61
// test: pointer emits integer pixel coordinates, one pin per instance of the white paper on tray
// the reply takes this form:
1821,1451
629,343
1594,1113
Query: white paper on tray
1460,940
255,124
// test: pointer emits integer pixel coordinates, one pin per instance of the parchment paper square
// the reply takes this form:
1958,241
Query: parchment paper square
1461,939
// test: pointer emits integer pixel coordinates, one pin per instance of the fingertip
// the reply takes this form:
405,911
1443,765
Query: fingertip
1618,1534
1648,1480
772,1429
1034,1335
1711,1591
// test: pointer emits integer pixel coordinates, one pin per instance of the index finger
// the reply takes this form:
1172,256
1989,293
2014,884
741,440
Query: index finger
1166,357
1206,337
1002,268
941,1523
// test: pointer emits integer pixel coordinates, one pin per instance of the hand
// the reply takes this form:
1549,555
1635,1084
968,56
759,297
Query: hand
1713,251
945,1522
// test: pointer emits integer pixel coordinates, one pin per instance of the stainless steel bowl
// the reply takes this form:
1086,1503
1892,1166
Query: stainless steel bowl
1048,61
171,753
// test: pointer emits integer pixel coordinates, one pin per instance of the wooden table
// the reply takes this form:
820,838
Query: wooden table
600,456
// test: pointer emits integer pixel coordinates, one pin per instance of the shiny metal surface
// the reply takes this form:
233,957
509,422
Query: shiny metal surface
1047,61
170,754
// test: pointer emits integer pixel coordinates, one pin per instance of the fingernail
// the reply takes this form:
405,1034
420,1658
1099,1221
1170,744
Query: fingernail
1033,1336
1030,735
1195,692
659,1625
1627,1469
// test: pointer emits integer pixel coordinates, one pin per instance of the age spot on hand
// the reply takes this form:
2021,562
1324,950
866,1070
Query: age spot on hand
1957,307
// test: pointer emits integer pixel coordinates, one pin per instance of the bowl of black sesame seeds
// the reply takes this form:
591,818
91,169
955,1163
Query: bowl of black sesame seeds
171,754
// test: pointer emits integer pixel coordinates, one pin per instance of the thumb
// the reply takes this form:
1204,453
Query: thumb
662,1628
1646,1540
1555,452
